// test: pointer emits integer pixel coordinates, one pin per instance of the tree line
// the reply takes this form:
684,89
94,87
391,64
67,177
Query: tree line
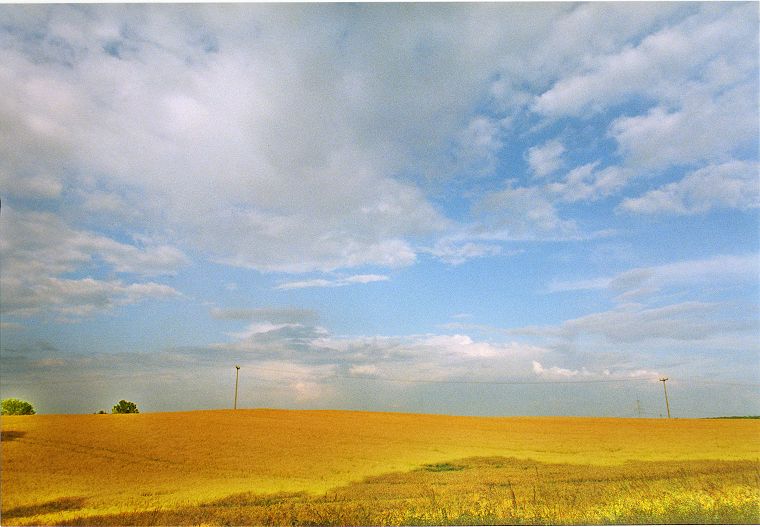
14,406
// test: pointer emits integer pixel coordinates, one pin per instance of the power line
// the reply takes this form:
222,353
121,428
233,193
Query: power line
723,383
441,381
125,377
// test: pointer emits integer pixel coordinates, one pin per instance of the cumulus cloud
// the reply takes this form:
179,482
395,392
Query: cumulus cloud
425,358
334,282
655,67
734,184
267,314
253,136
37,249
545,159
37,186
163,101
525,213
646,281
456,252
699,80
558,373
364,370
587,183
79,297
479,146
703,129
555,372
160,102
646,321
635,330
43,240
628,323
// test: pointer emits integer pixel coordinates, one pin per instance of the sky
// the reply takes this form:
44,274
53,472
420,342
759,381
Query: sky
481,209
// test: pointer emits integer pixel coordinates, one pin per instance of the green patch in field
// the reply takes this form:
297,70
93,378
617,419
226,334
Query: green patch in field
442,467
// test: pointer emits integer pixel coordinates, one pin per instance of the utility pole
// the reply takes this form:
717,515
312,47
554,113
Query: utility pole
663,379
237,374
638,407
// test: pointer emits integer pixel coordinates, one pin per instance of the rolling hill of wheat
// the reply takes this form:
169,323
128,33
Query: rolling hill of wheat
283,466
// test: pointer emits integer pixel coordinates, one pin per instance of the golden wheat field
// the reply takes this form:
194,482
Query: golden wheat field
252,467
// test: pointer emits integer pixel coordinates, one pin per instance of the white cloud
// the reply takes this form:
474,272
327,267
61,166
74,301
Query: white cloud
702,129
735,184
634,323
365,370
583,374
712,271
659,64
336,282
43,240
479,146
303,284
36,249
698,77
76,298
586,183
308,391
261,328
461,345
457,252
157,102
365,278
553,372
545,159
225,166
525,213
415,357
716,270
578,285
648,334
571,41
39,186
324,359
647,323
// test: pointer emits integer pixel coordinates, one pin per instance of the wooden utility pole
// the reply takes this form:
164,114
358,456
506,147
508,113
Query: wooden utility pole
237,373
667,405
638,407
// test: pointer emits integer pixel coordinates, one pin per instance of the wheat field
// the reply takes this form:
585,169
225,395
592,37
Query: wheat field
250,467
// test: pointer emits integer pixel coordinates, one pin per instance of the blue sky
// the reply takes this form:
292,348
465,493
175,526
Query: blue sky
497,209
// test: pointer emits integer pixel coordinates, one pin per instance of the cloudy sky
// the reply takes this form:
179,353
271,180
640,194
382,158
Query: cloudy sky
500,209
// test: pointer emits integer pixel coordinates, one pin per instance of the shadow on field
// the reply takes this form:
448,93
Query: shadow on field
11,435
248,499
495,491
59,505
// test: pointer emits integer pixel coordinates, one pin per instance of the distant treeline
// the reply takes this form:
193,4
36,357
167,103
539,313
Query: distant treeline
736,417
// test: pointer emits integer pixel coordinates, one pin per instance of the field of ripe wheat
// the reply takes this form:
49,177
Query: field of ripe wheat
279,467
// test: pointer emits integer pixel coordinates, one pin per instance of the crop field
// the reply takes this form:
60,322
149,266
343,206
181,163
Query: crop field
261,467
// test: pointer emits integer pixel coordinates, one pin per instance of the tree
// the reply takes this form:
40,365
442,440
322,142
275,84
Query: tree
125,407
17,407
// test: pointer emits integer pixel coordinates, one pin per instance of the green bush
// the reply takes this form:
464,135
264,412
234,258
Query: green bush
125,407
17,407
